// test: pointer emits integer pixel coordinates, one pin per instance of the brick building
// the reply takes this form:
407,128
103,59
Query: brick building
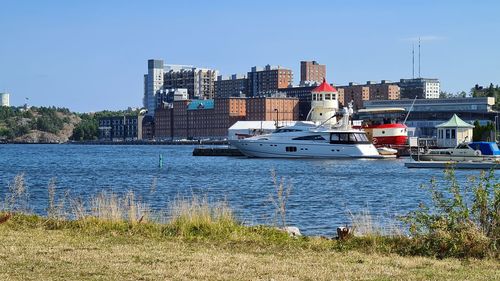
267,80
234,86
303,93
311,71
269,108
198,119
358,94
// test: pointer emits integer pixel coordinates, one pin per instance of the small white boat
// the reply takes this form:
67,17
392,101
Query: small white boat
386,151
485,165
474,151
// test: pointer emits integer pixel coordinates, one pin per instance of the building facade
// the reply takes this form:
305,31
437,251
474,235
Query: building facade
120,128
234,86
421,88
311,71
198,119
359,94
426,114
304,94
272,109
153,82
354,93
199,82
267,80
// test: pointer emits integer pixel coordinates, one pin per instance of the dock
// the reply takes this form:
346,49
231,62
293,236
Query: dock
216,151
454,165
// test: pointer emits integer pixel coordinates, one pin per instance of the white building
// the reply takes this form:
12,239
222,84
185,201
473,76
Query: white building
199,82
453,132
180,94
422,88
153,82
4,99
431,89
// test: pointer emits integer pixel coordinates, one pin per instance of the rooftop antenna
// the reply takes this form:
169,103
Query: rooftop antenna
419,58
413,61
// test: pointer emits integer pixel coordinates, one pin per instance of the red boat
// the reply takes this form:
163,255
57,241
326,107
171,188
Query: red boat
383,126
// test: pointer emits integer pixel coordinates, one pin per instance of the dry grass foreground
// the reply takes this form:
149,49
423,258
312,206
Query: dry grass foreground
37,253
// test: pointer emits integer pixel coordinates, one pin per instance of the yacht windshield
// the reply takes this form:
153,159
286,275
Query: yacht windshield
350,138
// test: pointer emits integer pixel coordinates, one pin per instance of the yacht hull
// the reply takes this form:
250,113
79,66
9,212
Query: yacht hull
263,149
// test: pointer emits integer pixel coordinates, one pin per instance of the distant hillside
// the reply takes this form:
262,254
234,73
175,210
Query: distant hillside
36,124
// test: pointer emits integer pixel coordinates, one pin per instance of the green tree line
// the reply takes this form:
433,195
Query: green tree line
490,91
17,121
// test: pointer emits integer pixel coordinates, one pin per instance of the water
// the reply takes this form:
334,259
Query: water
324,192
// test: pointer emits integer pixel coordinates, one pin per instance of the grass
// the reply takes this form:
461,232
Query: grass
117,237
32,248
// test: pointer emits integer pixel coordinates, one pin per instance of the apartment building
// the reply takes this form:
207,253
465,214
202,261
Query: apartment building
199,82
312,71
358,94
421,88
233,86
268,79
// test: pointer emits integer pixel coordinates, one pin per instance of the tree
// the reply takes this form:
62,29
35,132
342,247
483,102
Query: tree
482,132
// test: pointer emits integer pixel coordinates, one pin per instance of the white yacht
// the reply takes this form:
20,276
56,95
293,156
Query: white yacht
322,137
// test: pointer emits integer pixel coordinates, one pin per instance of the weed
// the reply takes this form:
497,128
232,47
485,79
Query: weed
17,197
463,220
280,196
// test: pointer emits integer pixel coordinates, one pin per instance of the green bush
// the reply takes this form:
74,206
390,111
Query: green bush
463,220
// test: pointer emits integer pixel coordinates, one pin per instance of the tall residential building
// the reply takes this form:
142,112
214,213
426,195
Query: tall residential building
153,82
4,99
200,82
422,88
312,71
267,80
234,86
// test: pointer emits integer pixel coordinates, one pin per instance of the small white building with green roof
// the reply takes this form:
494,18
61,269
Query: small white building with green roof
453,132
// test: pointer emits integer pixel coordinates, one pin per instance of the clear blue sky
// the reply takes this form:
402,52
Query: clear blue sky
91,55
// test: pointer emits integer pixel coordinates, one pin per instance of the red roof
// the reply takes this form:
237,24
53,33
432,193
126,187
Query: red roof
324,87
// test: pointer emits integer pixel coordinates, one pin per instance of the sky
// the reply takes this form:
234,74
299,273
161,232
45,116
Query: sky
92,55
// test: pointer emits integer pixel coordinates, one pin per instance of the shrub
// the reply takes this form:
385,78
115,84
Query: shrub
463,220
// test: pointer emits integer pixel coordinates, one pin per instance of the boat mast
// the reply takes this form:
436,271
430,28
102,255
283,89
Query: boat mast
411,107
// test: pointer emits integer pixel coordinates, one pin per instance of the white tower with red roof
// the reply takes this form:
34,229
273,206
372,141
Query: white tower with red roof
324,104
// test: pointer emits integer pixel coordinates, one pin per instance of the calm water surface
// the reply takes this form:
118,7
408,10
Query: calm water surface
324,192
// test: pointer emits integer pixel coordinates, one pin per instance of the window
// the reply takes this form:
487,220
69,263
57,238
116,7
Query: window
453,136
348,138
291,149
313,137
447,133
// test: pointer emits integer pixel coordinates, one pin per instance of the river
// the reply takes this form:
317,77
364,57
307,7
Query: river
324,193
